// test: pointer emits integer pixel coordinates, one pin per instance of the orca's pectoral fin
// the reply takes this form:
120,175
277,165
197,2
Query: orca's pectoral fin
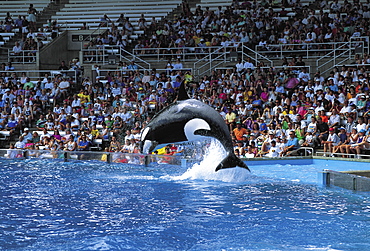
231,161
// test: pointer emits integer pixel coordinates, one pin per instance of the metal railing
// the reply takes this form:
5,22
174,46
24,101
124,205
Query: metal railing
205,65
123,56
292,68
208,58
110,54
353,65
221,56
341,55
90,37
257,55
302,151
105,157
129,158
24,57
341,155
183,53
307,50
35,75
105,72
107,54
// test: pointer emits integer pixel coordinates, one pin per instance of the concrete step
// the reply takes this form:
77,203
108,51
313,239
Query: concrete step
49,11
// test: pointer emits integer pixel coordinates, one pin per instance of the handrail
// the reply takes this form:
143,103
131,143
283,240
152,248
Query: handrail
101,54
341,47
303,47
220,52
213,61
333,59
207,61
308,151
134,57
89,37
349,155
257,54
363,41
24,58
135,158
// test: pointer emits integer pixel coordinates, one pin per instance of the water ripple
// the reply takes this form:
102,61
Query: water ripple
69,206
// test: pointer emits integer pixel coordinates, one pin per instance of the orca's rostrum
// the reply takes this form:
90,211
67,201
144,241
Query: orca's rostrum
188,120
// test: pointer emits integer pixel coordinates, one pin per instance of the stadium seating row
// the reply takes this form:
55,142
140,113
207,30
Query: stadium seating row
6,36
20,7
77,12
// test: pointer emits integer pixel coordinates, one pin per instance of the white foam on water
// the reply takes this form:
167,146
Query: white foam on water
205,170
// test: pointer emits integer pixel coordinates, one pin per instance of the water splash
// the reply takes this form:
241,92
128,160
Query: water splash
205,170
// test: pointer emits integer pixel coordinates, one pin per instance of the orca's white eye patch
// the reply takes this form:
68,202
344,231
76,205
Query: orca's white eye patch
193,125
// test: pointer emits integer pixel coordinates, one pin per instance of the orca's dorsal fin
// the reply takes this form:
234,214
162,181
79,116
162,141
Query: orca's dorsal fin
183,95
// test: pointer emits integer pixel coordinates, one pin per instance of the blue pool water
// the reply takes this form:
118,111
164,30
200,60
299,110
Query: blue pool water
50,205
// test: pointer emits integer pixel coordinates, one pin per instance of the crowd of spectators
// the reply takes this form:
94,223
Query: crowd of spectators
119,34
265,110
269,112
265,24
29,39
116,106
22,23
260,23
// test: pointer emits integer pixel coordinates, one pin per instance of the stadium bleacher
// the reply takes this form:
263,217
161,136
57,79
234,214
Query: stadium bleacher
18,8
90,12
76,12
213,5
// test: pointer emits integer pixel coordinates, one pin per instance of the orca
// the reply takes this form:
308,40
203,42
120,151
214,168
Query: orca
188,120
